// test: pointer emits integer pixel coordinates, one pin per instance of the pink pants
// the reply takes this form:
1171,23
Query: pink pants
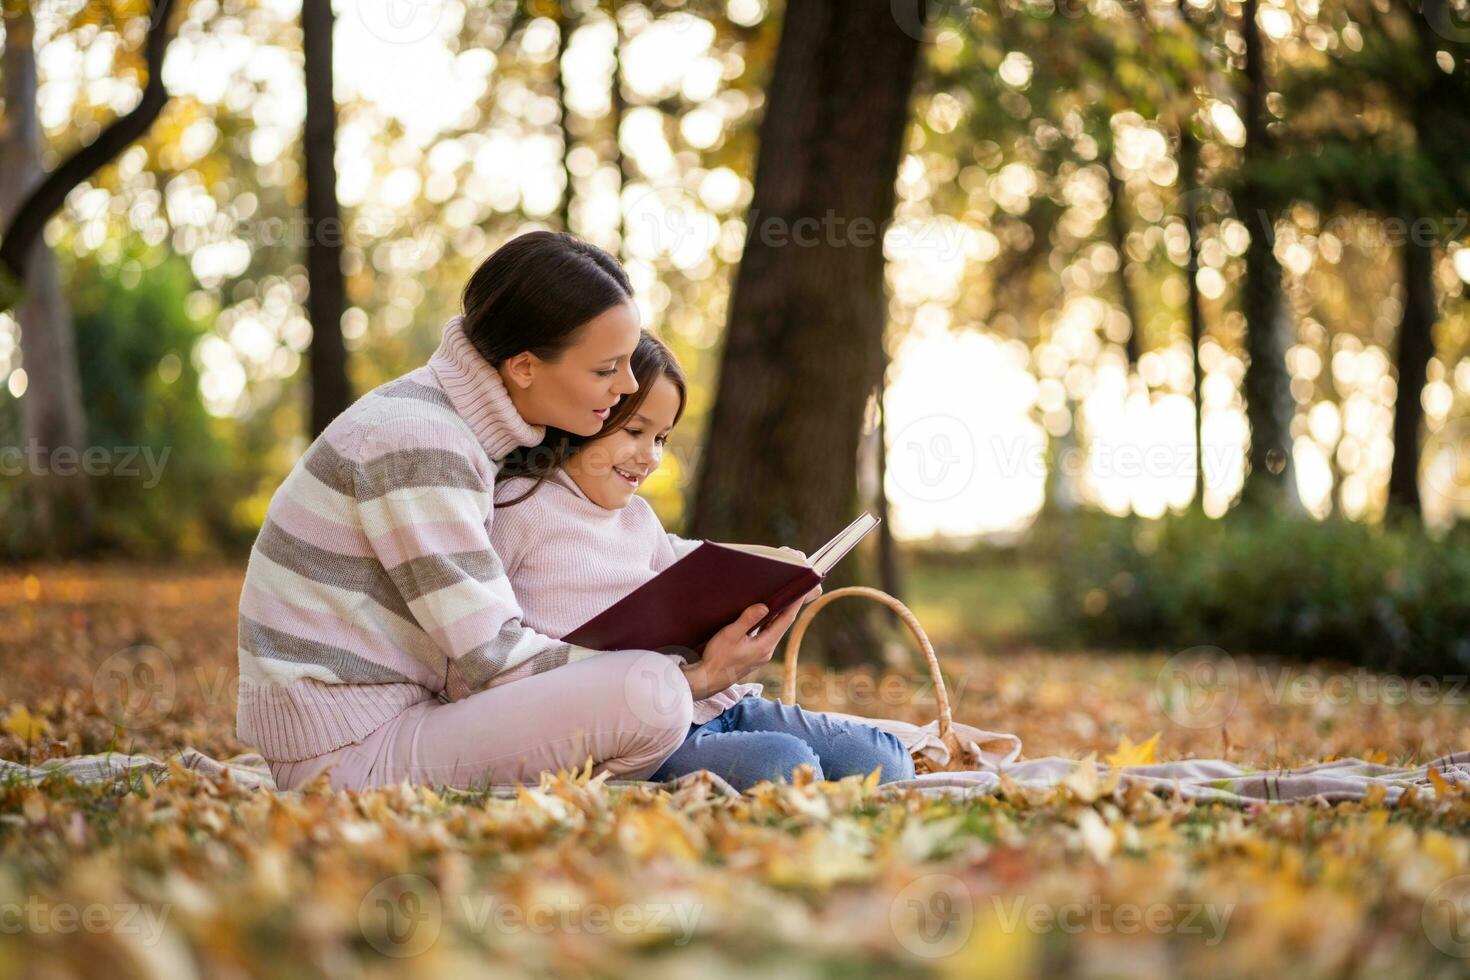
628,710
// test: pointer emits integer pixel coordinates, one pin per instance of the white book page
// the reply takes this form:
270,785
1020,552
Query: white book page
765,551
833,551
826,557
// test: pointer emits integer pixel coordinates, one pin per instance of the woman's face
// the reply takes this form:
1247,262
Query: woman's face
578,390
612,468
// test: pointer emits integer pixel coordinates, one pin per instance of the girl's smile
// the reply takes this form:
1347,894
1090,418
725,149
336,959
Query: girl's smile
610,468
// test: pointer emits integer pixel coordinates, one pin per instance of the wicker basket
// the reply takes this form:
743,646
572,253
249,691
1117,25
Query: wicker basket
959,756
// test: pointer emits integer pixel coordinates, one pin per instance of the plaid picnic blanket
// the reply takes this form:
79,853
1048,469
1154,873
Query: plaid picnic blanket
999,762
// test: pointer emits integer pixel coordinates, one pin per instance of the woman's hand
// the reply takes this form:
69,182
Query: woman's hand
731,654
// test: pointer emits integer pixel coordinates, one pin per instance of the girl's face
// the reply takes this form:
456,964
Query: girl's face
578,390
610,469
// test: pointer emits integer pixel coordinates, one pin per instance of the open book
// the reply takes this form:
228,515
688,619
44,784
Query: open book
708,589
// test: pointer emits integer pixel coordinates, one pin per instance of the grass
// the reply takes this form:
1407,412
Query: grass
195,877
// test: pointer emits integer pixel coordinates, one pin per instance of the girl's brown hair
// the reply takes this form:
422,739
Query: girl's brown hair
651,360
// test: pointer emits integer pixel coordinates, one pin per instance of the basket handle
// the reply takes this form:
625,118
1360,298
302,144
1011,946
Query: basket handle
941,696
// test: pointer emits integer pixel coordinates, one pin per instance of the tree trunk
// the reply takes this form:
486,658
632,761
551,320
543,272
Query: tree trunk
1118,233
1440,134
327,358
1411,360
1188,177
59,504
890,579
803,346
1270,479
619,110
564,27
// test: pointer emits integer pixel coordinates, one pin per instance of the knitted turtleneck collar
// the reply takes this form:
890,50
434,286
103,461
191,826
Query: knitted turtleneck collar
479,395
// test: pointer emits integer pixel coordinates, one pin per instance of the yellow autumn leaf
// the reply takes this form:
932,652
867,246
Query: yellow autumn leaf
25,726
1128,754
1442,787
1082,780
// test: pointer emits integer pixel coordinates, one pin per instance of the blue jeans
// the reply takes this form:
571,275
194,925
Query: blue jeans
758,739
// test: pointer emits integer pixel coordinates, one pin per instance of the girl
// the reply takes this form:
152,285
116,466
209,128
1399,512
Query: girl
575,538
375,613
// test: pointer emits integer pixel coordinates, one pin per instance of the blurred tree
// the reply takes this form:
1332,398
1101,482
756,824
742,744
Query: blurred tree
1406,165
1270,479
28,198
803,341
327,301
28,221
170,477
566,17
59,508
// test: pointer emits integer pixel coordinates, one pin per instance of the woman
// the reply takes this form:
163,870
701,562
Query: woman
375,610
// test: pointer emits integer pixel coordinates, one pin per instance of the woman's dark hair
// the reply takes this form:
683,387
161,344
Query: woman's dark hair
651,360
534,293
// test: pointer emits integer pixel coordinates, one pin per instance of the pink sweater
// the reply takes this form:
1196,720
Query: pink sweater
569,558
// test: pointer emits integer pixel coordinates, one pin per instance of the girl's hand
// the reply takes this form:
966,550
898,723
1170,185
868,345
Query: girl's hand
731,654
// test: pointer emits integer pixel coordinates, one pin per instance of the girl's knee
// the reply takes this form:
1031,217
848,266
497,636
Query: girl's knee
787,752
772,756
880,750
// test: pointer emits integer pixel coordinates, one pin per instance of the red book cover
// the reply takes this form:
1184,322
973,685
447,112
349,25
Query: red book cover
707,590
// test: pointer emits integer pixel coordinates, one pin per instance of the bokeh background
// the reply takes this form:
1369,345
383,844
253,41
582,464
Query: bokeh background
1143,323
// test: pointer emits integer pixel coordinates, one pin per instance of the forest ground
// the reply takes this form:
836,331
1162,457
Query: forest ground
192,877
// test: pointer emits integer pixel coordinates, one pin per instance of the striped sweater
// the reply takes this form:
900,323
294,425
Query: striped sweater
373,584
